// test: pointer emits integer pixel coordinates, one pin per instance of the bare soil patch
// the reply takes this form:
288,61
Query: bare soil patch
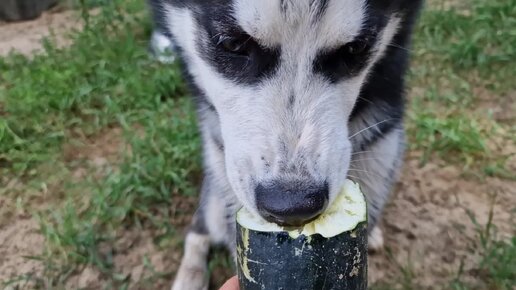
25,37
427,228
19,241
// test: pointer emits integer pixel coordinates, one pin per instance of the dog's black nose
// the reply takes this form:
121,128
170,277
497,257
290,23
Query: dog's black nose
291,203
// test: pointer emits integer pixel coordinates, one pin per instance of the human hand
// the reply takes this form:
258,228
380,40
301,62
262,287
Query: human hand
231,284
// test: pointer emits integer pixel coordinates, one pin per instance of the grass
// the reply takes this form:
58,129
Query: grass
498,257
469,47
476,36
61,100
68,96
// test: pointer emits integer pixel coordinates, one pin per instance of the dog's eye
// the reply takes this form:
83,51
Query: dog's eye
233,45
346,61
356,47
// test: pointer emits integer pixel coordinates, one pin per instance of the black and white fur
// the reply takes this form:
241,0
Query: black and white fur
301,93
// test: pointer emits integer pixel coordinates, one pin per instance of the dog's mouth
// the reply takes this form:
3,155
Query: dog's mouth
289,225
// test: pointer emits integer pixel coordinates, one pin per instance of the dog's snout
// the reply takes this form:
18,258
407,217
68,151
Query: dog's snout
291,203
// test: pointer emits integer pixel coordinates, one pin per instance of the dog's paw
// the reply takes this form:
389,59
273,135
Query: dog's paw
162,48
191,279
375,243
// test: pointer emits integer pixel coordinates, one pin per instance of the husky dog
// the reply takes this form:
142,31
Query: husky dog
293,97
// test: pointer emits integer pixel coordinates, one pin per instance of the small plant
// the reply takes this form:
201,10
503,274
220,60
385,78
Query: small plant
497,255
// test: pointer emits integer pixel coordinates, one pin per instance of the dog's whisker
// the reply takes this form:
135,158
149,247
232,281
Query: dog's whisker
358,170
247,40
365,159
399,46
370,127
355,177
216,35
370,158
366,172
366,100
361,152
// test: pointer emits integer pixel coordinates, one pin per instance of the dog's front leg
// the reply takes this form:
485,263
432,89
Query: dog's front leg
213,222
193,271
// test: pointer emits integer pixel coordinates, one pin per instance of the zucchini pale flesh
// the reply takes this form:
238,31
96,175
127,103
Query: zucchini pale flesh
327,253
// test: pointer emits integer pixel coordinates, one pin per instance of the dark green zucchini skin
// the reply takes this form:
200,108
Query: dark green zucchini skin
275,261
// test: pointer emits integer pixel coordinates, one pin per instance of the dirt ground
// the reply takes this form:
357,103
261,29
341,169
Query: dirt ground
426,225
25,37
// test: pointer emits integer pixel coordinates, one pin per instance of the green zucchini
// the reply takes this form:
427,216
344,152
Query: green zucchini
327,253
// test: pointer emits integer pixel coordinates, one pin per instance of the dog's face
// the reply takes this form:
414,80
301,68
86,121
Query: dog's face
283,77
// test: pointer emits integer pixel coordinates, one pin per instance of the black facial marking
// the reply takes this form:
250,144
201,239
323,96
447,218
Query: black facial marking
342,62
382,96
351,58
398,6
234,53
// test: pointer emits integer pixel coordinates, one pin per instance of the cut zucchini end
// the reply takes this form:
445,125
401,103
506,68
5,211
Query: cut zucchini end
344,214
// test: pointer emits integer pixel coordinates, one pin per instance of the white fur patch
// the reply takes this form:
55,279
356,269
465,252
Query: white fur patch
300,25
